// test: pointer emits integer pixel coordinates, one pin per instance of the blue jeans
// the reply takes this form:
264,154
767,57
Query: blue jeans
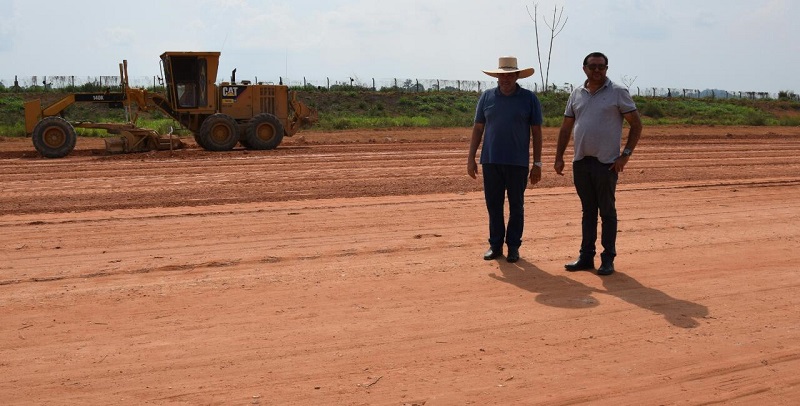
596,184
499,180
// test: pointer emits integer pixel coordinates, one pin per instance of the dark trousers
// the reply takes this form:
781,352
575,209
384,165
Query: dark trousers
499,180
596,184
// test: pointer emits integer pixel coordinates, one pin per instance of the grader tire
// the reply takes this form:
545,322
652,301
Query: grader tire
54,137
218,133
264,131
243,136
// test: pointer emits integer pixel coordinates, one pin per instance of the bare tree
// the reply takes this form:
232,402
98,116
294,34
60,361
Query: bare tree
628,81
555,25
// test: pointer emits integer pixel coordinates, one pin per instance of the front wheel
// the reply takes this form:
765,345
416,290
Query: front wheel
54,137
218,133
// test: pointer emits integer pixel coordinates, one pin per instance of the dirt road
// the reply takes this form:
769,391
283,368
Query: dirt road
346,269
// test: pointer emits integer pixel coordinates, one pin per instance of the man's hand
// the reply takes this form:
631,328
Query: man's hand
536,175
619,164
559,166
472,169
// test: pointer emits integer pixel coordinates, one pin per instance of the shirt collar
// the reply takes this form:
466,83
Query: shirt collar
605,85
499,93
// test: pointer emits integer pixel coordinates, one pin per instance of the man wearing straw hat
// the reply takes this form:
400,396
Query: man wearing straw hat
507,118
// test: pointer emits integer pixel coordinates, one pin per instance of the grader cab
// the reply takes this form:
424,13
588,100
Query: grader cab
257,116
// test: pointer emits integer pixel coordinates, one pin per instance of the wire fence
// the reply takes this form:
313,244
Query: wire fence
95,83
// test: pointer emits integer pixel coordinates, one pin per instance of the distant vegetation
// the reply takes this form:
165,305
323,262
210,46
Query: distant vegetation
343,109
356,108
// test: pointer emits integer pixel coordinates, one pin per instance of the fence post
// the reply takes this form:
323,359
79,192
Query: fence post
373,85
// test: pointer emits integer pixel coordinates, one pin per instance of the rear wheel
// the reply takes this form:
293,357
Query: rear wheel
54,137
218,133
264,131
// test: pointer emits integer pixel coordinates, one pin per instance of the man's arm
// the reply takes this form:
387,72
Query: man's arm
563,141
536,171
477,136
634,133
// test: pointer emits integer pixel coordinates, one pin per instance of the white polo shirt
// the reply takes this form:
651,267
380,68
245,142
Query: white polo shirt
598,120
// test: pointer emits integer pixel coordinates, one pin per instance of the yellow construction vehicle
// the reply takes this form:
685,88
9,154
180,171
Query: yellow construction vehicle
257,116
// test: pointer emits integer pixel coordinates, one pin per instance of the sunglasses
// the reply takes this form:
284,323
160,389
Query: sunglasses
594,66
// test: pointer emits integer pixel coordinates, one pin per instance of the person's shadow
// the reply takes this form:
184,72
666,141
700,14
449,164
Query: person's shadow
551,290
562,291
681,313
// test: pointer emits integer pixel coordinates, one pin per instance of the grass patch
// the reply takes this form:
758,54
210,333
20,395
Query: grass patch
12,130
357,108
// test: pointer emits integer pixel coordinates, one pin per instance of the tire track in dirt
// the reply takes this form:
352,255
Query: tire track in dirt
354,295
317,171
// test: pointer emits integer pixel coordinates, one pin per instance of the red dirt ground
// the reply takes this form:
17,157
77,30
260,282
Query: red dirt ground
345,269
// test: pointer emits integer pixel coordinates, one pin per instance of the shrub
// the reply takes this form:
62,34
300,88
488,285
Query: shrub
342,124
652,110
755,118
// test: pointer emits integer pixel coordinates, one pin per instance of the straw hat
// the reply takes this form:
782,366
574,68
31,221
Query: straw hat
508,64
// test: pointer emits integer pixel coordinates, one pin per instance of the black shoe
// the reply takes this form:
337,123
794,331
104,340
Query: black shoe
580,265
492,254
606,269
513,255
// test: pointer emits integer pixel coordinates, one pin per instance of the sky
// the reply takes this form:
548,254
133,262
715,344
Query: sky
733,45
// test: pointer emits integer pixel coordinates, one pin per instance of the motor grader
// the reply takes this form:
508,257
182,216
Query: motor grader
257,116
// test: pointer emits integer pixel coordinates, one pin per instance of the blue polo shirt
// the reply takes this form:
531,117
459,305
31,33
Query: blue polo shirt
508,121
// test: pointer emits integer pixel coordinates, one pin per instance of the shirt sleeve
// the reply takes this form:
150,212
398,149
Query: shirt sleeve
479,116
536,115
625,101
568,111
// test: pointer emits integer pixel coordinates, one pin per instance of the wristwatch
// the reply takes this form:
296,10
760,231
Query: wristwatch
539,164
627,152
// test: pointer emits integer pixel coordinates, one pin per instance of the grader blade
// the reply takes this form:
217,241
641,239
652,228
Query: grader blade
115,145
141,140
133,139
